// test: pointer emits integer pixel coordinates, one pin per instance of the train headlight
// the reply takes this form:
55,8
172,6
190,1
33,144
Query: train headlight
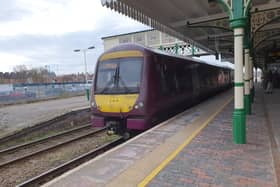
139,105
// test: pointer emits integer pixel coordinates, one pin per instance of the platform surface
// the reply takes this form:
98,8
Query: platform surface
172,155
212,159
272,104
16,117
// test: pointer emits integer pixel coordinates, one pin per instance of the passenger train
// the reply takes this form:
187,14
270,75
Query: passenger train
135,87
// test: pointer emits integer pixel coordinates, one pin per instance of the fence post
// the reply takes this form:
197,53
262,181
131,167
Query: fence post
87,93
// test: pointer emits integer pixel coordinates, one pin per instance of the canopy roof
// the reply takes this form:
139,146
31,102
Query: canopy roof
205,23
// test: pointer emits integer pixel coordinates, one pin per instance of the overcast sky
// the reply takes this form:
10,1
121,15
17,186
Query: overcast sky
45,32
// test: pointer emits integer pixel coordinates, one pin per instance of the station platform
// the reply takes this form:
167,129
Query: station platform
194,148
17,117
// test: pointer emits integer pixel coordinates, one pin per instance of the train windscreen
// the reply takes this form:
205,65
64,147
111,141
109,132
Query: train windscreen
119,76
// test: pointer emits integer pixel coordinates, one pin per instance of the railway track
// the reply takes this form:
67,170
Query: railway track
60,123
47,176
66,150
24,151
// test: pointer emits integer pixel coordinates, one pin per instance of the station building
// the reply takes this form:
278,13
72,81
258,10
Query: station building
154,39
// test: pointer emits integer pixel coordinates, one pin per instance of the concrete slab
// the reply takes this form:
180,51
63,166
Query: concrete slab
16,117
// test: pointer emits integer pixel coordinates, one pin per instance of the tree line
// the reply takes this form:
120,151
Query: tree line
22,74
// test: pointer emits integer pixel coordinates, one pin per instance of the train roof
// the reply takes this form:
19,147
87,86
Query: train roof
209,62
216,63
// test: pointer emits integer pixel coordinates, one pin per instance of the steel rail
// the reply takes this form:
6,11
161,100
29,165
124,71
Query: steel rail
40,125
48,175
52,147
13,148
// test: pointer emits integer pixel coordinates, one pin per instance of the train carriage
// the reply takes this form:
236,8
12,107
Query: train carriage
135,87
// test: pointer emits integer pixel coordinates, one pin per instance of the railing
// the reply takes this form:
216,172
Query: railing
13,93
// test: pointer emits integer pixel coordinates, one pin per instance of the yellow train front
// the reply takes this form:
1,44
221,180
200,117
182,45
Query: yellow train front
116,100
136,87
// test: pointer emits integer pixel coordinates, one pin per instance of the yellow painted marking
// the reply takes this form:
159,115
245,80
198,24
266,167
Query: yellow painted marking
121,54
116,103
154,173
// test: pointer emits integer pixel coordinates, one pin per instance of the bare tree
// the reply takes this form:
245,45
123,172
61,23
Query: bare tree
20,68
21,73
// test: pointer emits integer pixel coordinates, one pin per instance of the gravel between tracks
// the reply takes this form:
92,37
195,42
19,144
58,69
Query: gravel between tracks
4,157
72,121
19,172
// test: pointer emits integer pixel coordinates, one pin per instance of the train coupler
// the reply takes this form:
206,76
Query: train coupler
115,127
110,132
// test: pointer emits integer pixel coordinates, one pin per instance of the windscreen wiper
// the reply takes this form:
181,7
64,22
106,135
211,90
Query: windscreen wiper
107,85
124,85
112,80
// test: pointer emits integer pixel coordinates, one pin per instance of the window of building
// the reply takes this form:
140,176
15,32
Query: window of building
125,39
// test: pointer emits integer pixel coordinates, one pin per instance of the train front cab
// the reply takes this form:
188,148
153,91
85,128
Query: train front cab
116,101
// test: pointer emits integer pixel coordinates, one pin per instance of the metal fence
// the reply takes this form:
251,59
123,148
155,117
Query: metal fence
13,93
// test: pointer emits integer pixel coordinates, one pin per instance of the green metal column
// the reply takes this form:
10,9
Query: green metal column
247,76
87,93
250,46
238,23
176,49
239,118
193,50
252,89
247,97
238,12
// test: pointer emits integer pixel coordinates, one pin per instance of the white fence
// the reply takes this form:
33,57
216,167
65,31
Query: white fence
12,93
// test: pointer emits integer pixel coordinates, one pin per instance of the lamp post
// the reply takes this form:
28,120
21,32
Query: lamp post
85,59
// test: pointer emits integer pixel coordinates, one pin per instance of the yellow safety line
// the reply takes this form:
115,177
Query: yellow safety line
181,147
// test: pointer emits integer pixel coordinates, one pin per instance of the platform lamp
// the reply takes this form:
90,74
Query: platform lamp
85,59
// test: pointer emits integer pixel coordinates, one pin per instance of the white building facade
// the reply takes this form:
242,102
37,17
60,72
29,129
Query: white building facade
154,39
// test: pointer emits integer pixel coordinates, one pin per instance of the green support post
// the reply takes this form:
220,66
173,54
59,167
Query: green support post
247,89
176,49
87,93
239,127
247,104
253,94
239,117
252,80
193,50
238,12
251,59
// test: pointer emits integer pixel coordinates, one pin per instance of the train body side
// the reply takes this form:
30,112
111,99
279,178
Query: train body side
167,83
177,83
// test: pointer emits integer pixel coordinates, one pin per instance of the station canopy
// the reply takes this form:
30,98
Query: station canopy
205,24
